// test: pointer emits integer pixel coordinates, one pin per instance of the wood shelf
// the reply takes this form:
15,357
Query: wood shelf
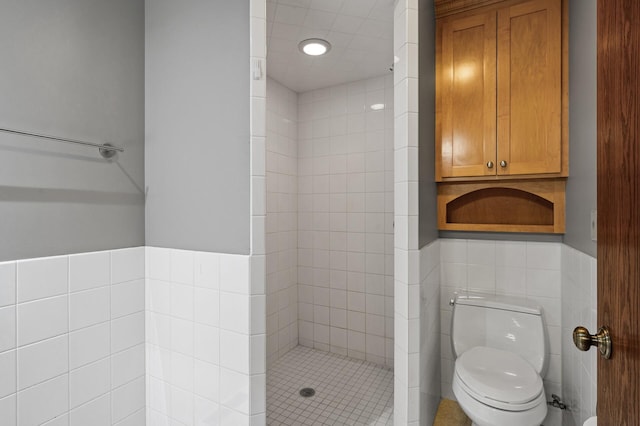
532,206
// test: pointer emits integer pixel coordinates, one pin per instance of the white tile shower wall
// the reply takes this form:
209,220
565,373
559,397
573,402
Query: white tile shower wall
256,282
345,219
579,307
526,269
72,340
205,339
429,359
406,249
282,220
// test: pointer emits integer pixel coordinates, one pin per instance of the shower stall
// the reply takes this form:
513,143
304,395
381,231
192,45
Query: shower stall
329,213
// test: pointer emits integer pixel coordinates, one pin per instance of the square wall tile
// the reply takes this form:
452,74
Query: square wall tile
234,312
234,390
44,277
207,306
258,354
127,264
127,365
182,371
543,255
207,343
234,351
127,298
158,263
158,329
89,345
42,319
89,382
234,273
42,361
207,380
41,403
127,331
127,399
182,267
182,301
89,307
511,254
182,336
207,270
89,270
158,296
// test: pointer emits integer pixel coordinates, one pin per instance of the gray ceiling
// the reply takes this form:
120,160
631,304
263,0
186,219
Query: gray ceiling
360,32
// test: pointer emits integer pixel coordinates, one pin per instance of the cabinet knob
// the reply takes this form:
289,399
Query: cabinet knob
503,163
490,164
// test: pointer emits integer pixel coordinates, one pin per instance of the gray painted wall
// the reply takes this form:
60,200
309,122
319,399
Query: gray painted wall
73,68
582,182
428,220
197,125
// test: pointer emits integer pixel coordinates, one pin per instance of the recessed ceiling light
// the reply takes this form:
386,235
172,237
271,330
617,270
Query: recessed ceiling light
377,107
314,46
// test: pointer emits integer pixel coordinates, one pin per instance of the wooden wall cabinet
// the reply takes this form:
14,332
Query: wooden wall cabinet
501,114
500,92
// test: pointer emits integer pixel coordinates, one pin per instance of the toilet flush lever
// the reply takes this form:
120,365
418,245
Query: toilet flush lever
583,340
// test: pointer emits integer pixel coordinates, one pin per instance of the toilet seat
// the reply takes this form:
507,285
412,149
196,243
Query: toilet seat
499,379
486,415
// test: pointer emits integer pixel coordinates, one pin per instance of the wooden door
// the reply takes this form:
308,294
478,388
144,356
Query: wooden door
619,209
530,88
467,87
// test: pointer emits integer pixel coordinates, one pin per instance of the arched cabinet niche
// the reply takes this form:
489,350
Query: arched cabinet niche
515,206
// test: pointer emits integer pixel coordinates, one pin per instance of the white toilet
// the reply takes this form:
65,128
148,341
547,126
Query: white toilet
502,352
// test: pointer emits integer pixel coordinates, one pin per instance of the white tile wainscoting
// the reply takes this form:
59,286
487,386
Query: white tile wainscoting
205,339
73,333
72,340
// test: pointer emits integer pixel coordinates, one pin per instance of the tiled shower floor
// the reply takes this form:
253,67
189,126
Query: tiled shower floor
348,391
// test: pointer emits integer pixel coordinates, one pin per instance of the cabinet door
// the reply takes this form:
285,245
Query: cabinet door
467,87
529,88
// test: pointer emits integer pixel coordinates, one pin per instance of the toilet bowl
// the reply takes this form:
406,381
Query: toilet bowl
501,351
498,388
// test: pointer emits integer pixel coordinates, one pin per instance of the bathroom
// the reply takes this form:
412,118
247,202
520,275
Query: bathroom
110,268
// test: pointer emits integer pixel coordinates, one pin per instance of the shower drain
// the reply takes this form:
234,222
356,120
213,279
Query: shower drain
307,392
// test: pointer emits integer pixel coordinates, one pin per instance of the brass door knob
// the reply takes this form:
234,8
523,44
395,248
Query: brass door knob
583,340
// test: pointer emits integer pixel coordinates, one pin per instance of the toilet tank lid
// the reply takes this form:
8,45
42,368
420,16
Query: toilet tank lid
506,303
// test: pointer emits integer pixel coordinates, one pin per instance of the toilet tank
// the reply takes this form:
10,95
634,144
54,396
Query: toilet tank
512,324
